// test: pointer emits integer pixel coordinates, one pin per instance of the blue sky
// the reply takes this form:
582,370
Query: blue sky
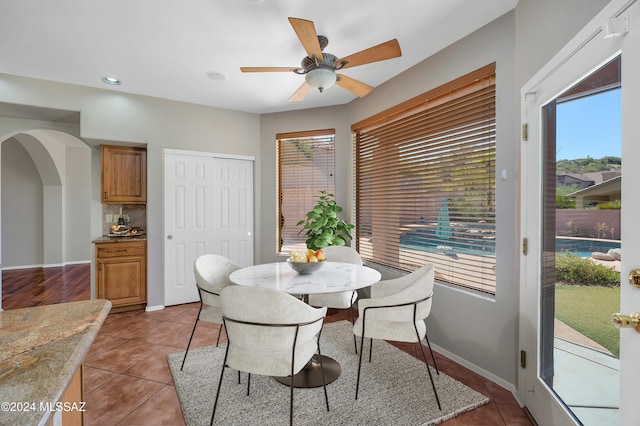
589,127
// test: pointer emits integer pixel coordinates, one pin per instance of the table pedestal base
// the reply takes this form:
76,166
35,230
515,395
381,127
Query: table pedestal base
311,375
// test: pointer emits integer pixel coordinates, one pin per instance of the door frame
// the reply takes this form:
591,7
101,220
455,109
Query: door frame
585,53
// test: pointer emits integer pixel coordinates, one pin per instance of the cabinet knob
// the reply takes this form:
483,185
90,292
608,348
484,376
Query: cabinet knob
169,237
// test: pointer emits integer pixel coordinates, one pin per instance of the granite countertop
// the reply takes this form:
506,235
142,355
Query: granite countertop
41,350
120,238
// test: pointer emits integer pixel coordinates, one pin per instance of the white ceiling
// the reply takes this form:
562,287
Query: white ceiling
165,48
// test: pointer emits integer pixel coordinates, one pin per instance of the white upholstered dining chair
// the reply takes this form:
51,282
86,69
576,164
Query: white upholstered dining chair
342,299
212,275
397,311
270,333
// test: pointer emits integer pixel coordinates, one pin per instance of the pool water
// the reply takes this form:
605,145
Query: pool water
584,247
419,240
451,246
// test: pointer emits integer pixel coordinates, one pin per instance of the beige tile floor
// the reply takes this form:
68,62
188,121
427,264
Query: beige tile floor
127,379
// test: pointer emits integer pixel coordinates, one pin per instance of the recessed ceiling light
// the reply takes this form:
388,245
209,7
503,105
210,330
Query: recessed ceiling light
111,80
217,76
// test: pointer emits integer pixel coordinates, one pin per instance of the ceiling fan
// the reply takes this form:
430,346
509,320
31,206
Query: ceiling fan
320,68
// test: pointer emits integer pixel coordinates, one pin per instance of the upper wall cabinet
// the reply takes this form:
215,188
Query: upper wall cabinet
124,174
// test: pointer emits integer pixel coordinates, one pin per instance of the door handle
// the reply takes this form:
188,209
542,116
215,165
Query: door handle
626,321
634,277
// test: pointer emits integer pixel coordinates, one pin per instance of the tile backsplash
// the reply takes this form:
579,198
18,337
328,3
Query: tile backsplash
136,213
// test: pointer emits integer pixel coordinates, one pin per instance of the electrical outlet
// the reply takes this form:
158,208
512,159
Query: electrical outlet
109,218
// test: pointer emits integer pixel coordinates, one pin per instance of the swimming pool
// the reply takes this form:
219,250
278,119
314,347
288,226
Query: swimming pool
425,240
584,247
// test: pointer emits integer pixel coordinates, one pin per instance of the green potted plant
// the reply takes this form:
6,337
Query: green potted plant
323,227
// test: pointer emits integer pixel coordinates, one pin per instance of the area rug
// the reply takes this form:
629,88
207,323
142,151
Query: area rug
394,389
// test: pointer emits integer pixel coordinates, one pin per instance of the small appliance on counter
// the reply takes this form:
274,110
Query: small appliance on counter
125,231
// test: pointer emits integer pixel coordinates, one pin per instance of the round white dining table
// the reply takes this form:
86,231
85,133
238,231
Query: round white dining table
330,278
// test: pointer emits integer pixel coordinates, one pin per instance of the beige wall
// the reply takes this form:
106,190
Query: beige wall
22,207
543,27
112,117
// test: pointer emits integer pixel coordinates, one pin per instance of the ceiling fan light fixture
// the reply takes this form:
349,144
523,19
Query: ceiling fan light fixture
321,78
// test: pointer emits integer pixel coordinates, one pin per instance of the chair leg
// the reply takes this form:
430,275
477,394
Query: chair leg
353,321
433,385
370,348
360,362
248,382
432,357
424,358
219,332
324,383
215,404
191,338
291,400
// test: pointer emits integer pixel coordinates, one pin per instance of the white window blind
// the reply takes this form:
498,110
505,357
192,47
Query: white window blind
306,166
425,183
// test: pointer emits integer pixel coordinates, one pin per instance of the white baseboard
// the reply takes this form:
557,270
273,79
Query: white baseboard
154,308
481,371
48,265
77,262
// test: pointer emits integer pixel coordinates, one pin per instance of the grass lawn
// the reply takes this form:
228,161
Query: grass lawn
588,310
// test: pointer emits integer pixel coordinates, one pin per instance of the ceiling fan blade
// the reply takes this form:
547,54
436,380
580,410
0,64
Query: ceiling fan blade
268,69
306,32
301,93
356,87
381,52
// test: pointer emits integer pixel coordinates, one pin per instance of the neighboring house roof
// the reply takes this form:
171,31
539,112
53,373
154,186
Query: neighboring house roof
574,176
605,191
595,177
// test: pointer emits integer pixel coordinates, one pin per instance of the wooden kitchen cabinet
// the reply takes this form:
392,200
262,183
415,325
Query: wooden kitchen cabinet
124,174
121,274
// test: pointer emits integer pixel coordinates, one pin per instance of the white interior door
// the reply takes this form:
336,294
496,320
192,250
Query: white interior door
233,205
584,54
208,209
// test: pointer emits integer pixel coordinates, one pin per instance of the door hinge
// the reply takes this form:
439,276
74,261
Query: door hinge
523,359
525,246
525,132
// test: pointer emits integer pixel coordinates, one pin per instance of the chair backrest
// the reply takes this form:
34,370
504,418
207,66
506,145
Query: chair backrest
273,309
412,287
342,254
423,287
212,274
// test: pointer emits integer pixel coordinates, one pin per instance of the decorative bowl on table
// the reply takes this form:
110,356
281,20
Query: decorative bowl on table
304,268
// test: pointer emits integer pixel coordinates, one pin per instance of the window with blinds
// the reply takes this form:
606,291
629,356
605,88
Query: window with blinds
425,183
306,166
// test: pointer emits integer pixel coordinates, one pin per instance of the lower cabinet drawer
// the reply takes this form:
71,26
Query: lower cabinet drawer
120,249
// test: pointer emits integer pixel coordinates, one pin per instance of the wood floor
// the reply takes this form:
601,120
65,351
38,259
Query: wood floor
26,288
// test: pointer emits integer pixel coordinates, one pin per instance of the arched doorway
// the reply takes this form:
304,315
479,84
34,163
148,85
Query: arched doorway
45,207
